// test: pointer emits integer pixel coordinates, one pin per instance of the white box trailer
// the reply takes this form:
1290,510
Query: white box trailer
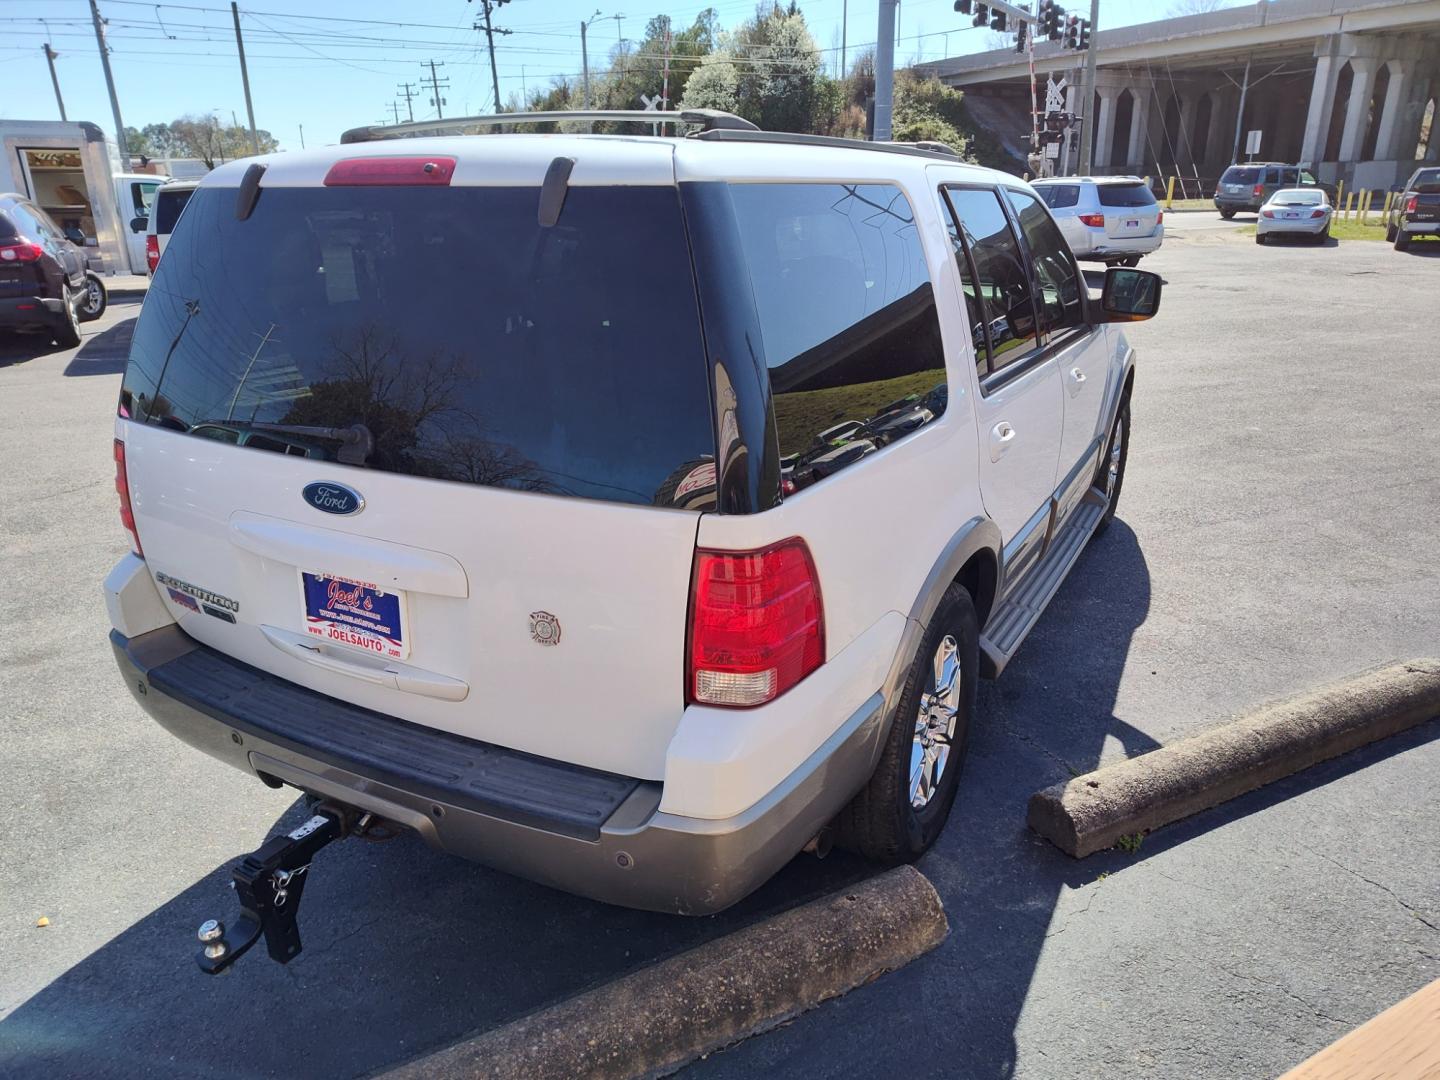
72,171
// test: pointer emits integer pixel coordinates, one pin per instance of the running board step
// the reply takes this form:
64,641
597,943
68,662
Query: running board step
1018,612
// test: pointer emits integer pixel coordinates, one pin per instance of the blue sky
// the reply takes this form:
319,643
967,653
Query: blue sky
317,63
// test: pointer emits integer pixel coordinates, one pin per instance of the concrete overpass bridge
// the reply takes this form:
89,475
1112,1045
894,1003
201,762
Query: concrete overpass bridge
1348,86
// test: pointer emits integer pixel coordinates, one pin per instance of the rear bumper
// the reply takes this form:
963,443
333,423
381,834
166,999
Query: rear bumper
1302,227
583,831
29,311
1238,202
1420,228
1106,247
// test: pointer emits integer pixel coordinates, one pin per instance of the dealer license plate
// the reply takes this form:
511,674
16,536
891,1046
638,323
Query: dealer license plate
356,614
1292,216
1132,223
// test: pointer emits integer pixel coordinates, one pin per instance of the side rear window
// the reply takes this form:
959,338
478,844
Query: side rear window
168,205
469,343
1057,279
1003,286
1136,194
1059,196
847,315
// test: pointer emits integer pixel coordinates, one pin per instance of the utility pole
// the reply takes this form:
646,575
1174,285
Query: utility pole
407,93
490,31
110,85
394,108
844,30
435,87
1087,96
50,55
584,57
884,71
302,136
245,79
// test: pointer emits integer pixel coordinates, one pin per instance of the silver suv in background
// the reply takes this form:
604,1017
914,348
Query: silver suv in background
1109,219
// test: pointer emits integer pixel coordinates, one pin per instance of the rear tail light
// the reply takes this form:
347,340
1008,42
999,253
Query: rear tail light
1160,217
388,171
1411,203
1095,221
1317,213
1267,213
152,251
122,488
1258,190
756,624
21,250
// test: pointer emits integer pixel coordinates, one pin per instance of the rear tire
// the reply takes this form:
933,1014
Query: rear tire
1390,232
67,323
1227,214
1402,240
96,300
1259,237
904,806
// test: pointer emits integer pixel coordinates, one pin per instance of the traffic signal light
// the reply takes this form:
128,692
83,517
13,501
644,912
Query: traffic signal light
997,21
1050,15
1072,32
1021,33
982,15
1084,39
963,6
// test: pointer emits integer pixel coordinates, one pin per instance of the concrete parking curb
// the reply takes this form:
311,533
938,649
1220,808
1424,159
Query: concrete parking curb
1092,812
665,1015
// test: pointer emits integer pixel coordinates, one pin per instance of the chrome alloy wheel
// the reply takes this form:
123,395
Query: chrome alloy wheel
1117,451
92,296
935,724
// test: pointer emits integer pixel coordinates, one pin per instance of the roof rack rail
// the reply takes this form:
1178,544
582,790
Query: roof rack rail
705,119
927,149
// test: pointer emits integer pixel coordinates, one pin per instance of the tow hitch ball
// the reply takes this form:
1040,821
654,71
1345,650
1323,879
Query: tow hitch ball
269,883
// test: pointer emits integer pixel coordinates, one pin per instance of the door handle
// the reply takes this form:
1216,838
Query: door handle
1002,437
1077,375
1077,382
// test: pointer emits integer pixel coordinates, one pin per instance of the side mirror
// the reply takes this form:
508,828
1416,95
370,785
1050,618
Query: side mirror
139,224
75,236
1130,295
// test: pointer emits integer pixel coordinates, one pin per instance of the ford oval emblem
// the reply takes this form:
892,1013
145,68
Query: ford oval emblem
333,498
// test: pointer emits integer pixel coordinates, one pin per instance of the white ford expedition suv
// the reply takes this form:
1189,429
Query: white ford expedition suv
621,512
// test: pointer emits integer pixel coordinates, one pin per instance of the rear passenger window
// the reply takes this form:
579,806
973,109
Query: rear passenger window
1001,281
847,314
1057,280
1060,196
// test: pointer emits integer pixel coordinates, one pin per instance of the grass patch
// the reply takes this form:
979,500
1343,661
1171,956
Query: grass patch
1344,230
1130,844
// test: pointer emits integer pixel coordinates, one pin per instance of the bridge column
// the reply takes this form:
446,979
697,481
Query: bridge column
1186,152
1139,126
1104,126
1363,70
1397,94
1322,101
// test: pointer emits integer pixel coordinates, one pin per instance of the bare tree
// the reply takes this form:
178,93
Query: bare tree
1197,7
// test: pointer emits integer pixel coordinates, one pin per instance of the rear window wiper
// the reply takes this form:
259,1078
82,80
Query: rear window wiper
356,442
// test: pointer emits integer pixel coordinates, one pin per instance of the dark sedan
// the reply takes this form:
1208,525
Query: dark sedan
45,287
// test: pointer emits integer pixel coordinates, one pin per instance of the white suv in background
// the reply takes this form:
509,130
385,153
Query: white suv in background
1109,219
521,569
165,209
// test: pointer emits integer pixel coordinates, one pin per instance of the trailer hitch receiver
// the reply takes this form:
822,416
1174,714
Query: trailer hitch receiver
269,883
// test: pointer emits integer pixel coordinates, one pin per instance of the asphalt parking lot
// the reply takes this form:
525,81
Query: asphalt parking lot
1279,527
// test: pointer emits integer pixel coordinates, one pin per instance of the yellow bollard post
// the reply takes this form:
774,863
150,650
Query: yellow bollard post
1350,198
1389,198
1170,193
1360,206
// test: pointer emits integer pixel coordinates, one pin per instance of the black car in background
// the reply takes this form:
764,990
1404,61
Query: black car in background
45,285
1416,210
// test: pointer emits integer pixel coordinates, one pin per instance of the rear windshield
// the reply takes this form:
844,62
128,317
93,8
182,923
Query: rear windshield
1237,174
1427,182
1298,197
1136,194
168,205
472,344
1059,196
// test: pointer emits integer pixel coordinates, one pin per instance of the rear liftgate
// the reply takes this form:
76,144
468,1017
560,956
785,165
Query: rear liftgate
270,882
